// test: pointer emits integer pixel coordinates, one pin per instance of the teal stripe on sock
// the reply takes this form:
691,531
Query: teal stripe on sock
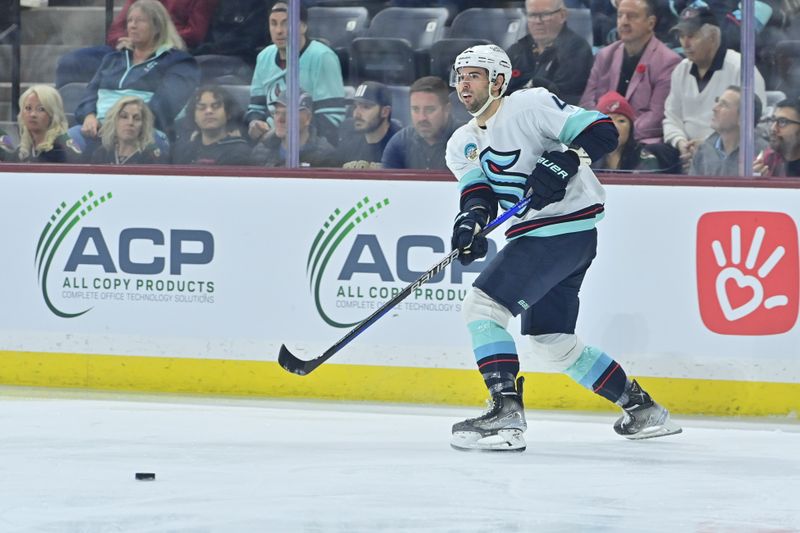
494,348
486,333
589,367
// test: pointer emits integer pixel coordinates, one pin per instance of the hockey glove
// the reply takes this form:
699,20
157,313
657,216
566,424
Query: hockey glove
465,235
548,181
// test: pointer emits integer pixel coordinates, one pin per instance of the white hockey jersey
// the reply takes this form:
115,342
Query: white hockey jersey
504,153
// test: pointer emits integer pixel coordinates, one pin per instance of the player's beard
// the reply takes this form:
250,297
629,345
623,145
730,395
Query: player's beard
478,100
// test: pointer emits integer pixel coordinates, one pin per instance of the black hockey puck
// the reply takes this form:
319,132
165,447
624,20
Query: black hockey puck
145,476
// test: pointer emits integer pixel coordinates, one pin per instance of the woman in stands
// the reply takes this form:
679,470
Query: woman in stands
127,135
152,65
43,129
630,155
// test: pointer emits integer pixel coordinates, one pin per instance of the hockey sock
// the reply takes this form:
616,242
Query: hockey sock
496,355
596,371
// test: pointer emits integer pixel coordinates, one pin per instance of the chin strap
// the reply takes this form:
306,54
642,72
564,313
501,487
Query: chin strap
489,100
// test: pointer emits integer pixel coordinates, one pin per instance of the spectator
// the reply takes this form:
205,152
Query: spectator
320,75
552,51
43,128
190,17
782,157
216,139
127,135
423,144
6,146
729,15
362,141
153,65
237,29
708,69
315,150
639,66
629,155
719,153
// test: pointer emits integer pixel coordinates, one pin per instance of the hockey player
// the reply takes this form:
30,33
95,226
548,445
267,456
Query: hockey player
525,145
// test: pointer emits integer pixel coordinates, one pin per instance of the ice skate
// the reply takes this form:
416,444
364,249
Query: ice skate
643,418
501,428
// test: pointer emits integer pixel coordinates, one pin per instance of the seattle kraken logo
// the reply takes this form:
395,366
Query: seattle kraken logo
508,186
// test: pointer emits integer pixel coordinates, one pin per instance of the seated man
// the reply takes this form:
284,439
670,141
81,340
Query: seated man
719,153
782,158
422,145
698,80
216,140
637,66
320,75
551,51
315,150
362,142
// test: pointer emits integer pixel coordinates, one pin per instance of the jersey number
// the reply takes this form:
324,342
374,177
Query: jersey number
561,105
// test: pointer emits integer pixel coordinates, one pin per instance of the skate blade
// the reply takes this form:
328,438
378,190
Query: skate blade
506,440
667,428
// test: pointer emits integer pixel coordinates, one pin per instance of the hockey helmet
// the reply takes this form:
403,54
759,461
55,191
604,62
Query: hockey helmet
488,56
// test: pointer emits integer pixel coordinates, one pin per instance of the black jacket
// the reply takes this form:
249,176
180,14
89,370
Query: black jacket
229,151
567,64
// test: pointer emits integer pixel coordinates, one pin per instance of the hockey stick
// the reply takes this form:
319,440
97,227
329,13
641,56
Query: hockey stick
300,367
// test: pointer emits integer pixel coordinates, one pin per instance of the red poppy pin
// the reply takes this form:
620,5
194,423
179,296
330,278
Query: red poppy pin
640,68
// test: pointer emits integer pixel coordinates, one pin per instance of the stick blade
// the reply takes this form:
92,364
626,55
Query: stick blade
290,363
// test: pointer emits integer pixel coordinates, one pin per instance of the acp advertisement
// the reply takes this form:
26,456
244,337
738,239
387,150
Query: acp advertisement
688,281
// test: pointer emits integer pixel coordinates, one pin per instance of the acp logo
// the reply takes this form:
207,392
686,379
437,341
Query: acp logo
333,231
61,223
748,272
133,276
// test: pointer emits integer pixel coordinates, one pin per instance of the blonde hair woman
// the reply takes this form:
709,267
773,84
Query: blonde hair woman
43,128
127,135
151,62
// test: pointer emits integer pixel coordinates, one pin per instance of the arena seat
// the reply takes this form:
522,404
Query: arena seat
580,21
395,48
337,27
502,27
72,94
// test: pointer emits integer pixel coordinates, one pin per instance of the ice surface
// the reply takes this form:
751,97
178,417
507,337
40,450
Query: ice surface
67,464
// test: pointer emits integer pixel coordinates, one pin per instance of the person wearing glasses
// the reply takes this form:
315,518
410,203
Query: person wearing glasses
550,51
782,157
